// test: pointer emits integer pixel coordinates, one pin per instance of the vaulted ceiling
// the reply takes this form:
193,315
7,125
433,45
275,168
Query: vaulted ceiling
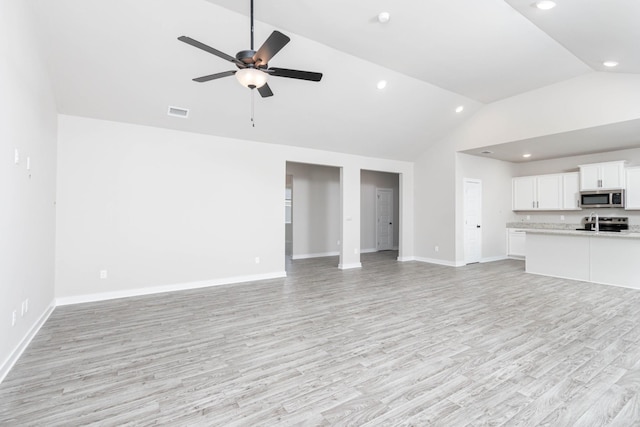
120,60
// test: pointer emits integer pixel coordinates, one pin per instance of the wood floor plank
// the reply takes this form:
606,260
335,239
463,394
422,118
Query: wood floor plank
389,344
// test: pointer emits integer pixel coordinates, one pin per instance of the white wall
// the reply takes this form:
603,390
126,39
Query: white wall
435,204
27,217
370,181
158,208
586,101
316,210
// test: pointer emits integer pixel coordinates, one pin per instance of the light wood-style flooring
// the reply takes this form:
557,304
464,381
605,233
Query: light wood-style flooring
389,344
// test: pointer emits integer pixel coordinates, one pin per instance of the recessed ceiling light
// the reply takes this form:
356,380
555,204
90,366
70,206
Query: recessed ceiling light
384,17
526,156
460,109
382,84
545,4
610,64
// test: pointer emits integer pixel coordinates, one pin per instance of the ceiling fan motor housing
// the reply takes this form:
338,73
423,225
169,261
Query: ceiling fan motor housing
246,56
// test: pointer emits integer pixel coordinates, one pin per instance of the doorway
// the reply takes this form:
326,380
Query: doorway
379,211
472,220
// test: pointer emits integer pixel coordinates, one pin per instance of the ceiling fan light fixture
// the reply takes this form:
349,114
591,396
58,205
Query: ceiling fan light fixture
545,4
252,78
381,84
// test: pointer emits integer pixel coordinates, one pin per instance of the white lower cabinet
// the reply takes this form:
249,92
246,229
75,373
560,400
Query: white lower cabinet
516,243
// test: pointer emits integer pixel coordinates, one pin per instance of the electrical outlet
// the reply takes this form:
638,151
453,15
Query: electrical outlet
355,251
528,217
22,310
103,274
26,305
16,156
561,217
437,249
13,318
257,260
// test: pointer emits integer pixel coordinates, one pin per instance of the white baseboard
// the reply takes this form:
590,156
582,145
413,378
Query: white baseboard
349,266
406,258
17,352
494,258
103,296
440,262
318,255
368,251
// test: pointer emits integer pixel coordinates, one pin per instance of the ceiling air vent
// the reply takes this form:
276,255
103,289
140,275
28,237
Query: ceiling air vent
178,112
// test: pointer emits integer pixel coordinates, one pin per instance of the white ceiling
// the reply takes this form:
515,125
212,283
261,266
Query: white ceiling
121,60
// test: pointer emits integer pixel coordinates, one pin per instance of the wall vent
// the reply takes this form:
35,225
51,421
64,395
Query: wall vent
178,112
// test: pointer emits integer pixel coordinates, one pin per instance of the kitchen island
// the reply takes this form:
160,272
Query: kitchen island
600,257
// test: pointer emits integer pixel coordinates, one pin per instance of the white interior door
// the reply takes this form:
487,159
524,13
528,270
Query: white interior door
472,220
384,216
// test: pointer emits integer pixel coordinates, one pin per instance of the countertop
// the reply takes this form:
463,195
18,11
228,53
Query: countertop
619,235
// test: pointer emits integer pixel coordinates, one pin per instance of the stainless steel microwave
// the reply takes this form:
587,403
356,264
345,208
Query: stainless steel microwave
602,199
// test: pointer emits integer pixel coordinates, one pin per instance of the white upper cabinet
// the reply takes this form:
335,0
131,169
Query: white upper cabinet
524,193
543,192
571,191
602,176
546,192
633,189
549,192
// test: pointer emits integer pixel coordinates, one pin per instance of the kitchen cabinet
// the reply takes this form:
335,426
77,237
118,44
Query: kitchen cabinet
601,176
516,241
542,192
632,194
571,191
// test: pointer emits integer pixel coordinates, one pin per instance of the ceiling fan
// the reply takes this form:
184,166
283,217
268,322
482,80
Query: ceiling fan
253,68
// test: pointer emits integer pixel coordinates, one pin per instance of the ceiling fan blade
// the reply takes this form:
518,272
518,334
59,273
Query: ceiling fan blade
295,74
216,52
270,47
265,91
214,76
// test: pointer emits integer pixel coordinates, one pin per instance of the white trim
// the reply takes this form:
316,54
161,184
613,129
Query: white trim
368,251
17,352
103,296
318,255
441,262
349,266
406,258
494,258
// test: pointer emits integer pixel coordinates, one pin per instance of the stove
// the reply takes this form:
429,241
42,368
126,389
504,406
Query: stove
606,223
